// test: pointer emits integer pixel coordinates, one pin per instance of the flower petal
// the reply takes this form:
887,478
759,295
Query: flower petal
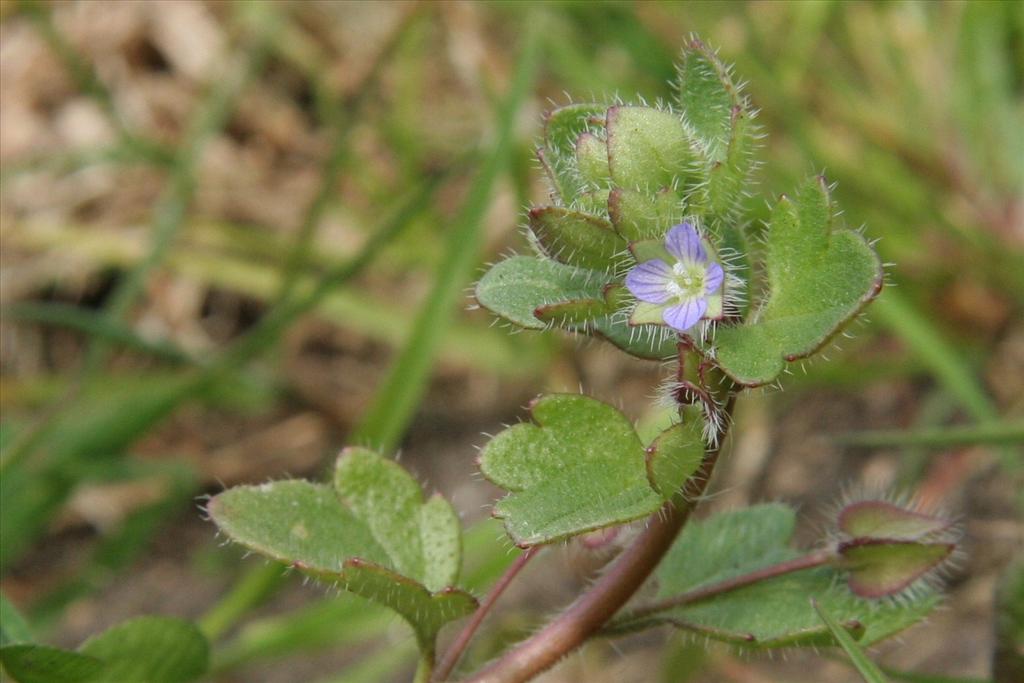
683,242
685,315
649,281
713,277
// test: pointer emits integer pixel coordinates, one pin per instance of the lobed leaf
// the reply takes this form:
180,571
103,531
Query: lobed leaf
775,612
582,467
371,532
818,279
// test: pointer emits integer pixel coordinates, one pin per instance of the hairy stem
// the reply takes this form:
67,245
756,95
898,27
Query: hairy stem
458,647
628,573
809,561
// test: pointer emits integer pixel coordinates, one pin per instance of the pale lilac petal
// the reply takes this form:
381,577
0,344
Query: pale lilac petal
683,242
713,278
685,315
649,281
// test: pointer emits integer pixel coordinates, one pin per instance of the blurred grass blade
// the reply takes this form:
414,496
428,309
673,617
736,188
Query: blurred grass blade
13,627
340,118
172,207
94,325
406,382
900,316
989,433
867,668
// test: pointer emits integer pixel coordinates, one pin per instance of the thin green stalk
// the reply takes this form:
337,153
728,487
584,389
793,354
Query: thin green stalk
868,670
424,667
899,315
396,399
989,433
97,326
252,589
809,561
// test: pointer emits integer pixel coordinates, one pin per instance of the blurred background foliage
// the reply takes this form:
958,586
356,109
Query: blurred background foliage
237,235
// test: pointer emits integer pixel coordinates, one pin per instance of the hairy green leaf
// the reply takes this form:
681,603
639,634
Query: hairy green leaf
819,278
518,286
371,532
774,612
582,467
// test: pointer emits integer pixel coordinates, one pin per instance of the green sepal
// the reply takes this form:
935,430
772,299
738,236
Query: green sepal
880,568
881,519
572,314
575,238
647,148
594,203
562,128
640,215
371,528
580,467
645,313
673,457
721,121
651,249
819,279
592,159
650,343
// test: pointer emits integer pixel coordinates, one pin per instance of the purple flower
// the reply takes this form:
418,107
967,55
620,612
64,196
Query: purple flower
682,291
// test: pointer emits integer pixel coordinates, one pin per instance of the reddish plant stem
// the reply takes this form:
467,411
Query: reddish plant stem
458,647
630,570
809,561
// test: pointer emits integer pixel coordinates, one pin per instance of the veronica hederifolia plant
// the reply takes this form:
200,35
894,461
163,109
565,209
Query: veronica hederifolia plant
643,243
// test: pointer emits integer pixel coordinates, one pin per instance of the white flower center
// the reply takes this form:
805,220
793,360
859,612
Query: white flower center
687,280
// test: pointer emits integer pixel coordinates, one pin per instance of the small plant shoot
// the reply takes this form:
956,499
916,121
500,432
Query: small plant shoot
645,243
